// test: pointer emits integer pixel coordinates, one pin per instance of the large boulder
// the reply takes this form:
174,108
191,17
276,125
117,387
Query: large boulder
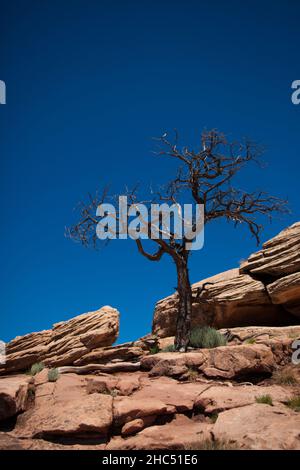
234,362
259,427
181,433
65,343
286,292
14,395
65,408
227,300
278,257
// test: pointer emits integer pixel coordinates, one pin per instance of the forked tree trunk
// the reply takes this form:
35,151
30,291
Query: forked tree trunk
184,290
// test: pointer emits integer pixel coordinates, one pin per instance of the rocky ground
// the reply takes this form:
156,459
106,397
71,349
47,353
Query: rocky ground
245,395
203,398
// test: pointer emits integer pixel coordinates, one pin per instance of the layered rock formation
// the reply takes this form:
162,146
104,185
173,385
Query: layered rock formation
265,290
65,343
187,401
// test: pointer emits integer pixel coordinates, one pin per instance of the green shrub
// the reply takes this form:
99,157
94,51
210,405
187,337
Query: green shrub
36,368
53,375
214,416
294,403
206,337
154,349
170,348
264,399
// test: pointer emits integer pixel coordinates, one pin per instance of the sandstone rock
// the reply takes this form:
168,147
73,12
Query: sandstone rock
121,352
65,408
9,442
180,433
286,291
233,299
182,396
66,342
13,395
238,361
135,426
223,362
261,334
279,256
91,416
260,427
220,398
128,409
189,359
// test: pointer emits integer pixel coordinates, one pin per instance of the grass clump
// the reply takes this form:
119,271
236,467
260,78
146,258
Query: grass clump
53,375
192,374
214,416
250,341
264,399
216,444
294,403
36,368
206,337
169,348
285,377
155,349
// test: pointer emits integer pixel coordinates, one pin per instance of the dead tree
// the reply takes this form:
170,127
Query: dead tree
205,177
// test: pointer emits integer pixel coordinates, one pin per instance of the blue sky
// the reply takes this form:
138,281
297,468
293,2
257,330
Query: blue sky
88,85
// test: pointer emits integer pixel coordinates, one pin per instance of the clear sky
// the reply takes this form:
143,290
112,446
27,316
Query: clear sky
88,84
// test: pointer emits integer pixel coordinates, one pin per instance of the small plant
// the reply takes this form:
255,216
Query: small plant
250,341
169,348
53,375
264,399
112,392
206,337
36,368
154,349
31,393
285,377
294,403
294,335
216,444
192,374
214,416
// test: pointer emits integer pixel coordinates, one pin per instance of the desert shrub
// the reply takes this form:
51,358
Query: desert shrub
36,368
53,375
217,444
285,377
192,374
264,399
154,349
214,416
169,348
250,341
294,403
206,337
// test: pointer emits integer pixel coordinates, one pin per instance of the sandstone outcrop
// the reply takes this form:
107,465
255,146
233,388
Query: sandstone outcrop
256,427
278,257
223,362
65,343
14,395
175,400
265,290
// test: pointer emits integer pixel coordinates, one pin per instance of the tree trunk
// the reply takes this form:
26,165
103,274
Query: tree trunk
184,290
